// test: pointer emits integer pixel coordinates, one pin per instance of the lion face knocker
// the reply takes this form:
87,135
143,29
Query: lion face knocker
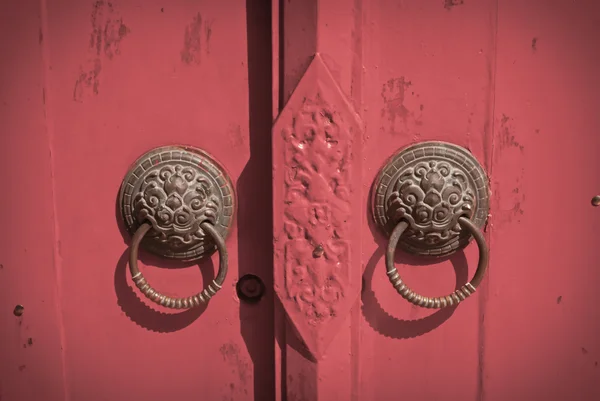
176,200
176,189
431,185
431,196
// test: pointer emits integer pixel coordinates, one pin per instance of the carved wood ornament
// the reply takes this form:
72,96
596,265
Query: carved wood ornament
317,169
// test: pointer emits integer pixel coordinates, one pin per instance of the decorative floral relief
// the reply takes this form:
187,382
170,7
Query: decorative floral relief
432,195
431,185
317,211
176,199
176,189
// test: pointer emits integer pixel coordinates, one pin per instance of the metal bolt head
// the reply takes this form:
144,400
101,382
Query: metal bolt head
596,200
18,311
250,288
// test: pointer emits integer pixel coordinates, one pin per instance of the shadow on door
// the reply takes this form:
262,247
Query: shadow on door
255,237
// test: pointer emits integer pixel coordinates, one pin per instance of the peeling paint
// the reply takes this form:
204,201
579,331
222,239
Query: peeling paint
208,33
507,136
192,42
88,81
231,354
507,149
108,30
397,118
450,4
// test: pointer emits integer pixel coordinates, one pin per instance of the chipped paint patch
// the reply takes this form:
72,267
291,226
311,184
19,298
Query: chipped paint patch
507,149
108,30
192,42
450,4
196,39
506,137
397,118
208,33
231,354
88,81
238,388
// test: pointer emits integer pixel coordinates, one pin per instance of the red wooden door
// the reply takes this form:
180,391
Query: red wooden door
88,87
511,81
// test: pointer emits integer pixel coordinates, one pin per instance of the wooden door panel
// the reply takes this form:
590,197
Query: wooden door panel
127,77
451,71
87,87
542,326
411,74
122,78
30,343
429,76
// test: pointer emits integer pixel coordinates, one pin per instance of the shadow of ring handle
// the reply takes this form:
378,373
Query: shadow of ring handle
177,303
437,302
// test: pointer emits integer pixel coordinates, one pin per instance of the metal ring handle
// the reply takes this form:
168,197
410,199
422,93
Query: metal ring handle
178,303
437,302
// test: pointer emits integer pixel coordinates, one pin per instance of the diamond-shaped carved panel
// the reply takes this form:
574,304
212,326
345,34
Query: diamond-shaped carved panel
317,207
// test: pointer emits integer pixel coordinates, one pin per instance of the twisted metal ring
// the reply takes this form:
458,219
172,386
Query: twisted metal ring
437,302
178,303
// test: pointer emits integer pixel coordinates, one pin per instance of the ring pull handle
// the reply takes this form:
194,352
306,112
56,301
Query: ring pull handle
178,203
432,199
178,303
437,302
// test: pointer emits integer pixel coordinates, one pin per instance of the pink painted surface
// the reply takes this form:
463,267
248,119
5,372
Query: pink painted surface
87,87
520,96
120,78
542,321
424,81
30,345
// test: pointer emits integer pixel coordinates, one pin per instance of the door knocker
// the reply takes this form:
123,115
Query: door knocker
178,203
431,199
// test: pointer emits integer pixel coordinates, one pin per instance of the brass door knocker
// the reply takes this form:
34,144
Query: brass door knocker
178,203
431,199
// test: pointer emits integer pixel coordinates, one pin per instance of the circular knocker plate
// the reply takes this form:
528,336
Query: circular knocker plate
177,190
431,185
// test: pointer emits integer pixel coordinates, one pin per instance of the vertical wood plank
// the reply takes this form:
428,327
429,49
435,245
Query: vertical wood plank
542,320
128,76
429,75
31,350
